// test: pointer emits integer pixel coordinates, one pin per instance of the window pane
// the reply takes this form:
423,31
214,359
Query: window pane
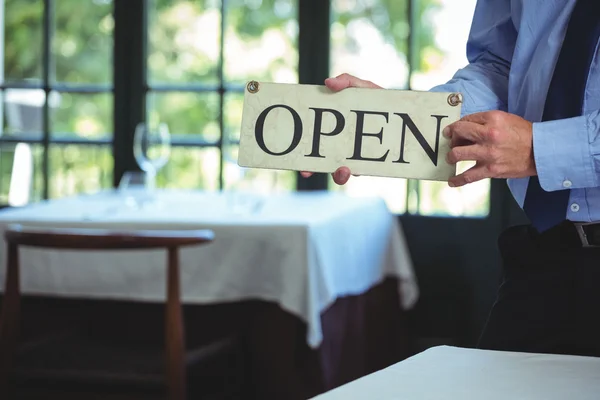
191,168
472,200
24,112
255,180
261,41
183,41
439,60
392,190
82,42
447,25
186,113
21,180
369,40
23,40
76,169
234,104
88,116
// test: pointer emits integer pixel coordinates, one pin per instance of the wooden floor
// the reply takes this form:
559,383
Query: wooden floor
71,352
362,334
58,373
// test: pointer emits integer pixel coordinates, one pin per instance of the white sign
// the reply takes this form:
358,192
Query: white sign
379,132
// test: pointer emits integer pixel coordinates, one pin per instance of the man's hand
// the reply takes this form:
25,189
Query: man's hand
500,143
341,82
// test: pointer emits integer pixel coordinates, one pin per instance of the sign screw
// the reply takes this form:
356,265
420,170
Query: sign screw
252,86
454,99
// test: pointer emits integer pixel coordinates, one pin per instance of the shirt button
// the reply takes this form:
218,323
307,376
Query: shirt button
567,184
574,207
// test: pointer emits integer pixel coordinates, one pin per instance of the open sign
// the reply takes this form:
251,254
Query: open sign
377,132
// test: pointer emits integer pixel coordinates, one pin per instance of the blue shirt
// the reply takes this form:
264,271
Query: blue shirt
512,49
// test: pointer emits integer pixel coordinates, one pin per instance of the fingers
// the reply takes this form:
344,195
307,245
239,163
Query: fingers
477,118
472,152
465,131
341,175
477,173
485,117
458,141
344,81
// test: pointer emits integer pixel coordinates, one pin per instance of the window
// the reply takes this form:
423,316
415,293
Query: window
74,89
374,40
200,55
57,99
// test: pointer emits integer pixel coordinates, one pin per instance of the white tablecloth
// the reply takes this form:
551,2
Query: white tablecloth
451,373
300,250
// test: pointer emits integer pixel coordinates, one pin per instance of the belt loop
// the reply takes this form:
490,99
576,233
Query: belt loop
581,233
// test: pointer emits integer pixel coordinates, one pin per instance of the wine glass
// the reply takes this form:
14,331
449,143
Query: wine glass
242,196
152,148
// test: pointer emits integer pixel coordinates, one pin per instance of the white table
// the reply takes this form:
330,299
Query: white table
301,250
451,373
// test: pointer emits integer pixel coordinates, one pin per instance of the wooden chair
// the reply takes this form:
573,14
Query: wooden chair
92,239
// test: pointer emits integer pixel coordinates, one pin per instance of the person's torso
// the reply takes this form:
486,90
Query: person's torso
541,27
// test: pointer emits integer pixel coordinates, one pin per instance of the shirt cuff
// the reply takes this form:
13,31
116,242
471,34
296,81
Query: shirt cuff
561,150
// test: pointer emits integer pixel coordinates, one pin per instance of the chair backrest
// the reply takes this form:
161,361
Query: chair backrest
103,239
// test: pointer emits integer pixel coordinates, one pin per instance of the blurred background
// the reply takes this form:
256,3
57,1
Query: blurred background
85,83
78,75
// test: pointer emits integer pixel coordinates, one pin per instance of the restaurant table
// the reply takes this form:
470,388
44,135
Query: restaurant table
452,373
303,252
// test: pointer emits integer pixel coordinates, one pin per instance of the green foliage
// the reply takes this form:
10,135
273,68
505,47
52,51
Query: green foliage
80,53
23,39
81,41
392,20
184,39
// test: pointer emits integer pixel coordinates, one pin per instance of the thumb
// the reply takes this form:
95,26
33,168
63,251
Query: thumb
344,81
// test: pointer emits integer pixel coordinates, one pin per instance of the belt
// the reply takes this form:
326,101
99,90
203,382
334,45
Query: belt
589,233
570,234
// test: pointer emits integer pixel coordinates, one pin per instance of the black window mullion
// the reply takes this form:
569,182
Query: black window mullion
413,57
220,72
46,74
313,61
130,80
83,89
59,87
197,88
411,39
33,138
21,85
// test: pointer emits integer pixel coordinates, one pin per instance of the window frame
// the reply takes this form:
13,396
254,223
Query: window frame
48,86
130,85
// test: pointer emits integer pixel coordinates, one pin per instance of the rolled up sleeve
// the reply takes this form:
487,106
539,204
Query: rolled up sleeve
484,81
567,152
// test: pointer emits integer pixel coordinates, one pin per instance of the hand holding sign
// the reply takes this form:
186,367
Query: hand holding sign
341,82
500,143
372,132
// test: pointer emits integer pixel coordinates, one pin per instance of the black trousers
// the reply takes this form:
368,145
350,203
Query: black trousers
549,299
